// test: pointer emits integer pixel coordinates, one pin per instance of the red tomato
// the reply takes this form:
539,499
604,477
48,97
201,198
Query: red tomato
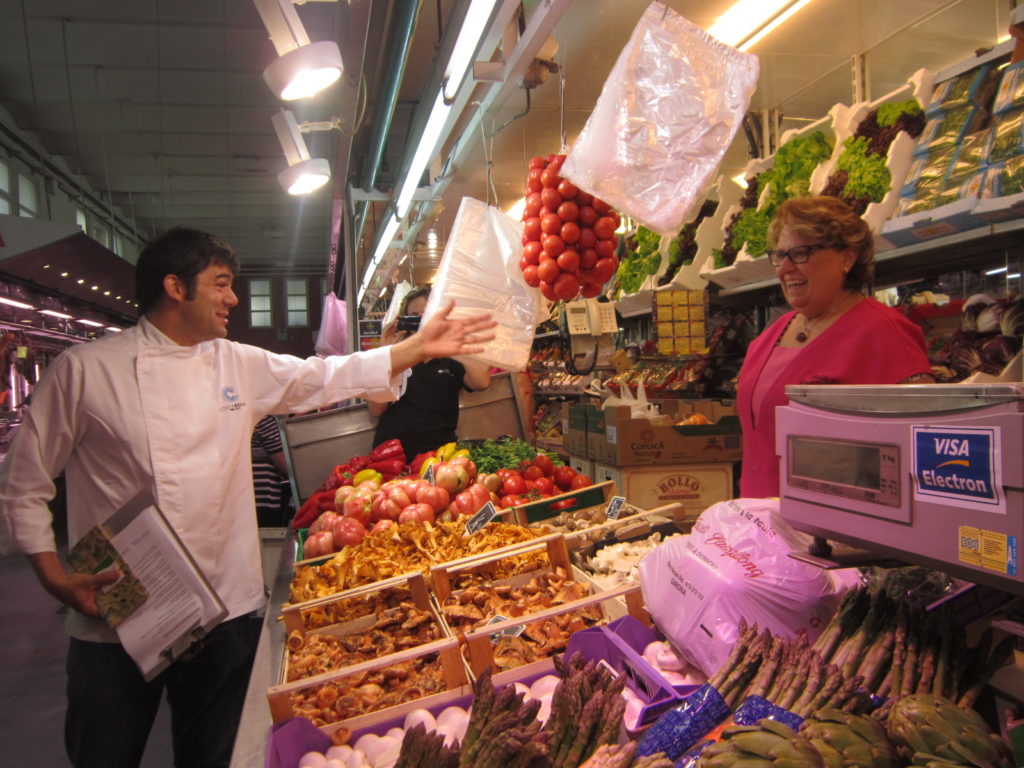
513,485
451,477
532,205
550,199
543,461
570,232
548,291
523,263
580,481
318,544
563,477
549,177
588,215
479,493
463,504
604,249
604,228
564,504
531,228
614,216
556,161
398,495
533,182
530,276
553,245
538,162
590,290
437,498
417,513
381,525
603,271
505,472
532,252
545,484
587,238
348,532
601,206
548,270
323,522
567,189
568,211
533,472
466,463
509,500
584,198
568,261
588,258
550,224
566,286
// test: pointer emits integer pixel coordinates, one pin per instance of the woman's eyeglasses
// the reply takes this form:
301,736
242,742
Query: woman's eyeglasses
797,254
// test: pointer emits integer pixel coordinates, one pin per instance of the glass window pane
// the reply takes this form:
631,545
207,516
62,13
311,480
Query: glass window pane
297,302
81,220
5,206
296,319
259,287
5,178
27,198
260,319
259,303
296,287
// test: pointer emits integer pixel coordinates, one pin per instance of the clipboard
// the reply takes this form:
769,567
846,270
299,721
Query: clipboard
181,606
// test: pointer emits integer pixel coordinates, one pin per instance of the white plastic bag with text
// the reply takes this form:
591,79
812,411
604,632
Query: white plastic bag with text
480,270
668,111
735,565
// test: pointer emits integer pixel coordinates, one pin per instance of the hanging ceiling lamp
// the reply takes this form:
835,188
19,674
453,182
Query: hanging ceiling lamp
302,68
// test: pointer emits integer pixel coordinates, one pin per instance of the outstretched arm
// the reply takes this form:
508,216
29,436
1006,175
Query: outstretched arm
441,336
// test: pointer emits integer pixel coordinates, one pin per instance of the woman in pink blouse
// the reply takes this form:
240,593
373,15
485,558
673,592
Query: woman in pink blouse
823,254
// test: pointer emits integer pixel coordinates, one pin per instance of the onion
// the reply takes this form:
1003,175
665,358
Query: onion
312,760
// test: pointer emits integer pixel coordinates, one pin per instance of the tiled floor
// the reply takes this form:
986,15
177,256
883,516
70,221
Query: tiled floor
32,648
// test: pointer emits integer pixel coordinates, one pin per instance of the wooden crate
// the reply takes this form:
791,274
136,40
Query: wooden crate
441,576
480,645
414,583
582,498
624,527
447,651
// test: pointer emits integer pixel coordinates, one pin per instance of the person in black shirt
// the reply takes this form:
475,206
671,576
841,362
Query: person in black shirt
425,417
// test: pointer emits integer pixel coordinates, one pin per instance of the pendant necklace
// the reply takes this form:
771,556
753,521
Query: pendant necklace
805,334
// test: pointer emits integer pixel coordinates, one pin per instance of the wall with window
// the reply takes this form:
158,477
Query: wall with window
277,312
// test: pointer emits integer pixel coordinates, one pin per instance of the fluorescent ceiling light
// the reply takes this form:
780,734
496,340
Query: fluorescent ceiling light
747,21
114,328
425,150
470,34
13,303
83,321
302,68
54,313
382,247
303,174
996,271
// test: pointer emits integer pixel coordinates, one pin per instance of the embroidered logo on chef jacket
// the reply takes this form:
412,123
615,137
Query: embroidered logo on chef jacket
229,394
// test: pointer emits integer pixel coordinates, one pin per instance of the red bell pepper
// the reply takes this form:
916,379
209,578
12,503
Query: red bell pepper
386,467
389,449
311,508
417,462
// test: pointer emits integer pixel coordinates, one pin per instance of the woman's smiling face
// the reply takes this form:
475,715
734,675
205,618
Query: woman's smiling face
814,286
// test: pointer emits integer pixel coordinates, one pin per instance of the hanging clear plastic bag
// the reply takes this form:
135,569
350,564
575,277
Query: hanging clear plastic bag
480,270
402,290
332,338
668,111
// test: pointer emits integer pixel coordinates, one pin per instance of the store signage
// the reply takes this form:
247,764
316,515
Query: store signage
429,475
615,507
959,465
483,516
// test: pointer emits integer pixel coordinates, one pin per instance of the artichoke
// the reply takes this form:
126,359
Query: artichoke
932,729
769,744
849,741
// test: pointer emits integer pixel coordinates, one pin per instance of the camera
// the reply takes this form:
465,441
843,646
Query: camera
409,323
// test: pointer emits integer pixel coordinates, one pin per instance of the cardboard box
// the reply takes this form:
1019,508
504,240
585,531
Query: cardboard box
695,486
574,430
628,442
583,466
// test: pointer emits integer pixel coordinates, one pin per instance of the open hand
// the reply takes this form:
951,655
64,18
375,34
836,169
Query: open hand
444,336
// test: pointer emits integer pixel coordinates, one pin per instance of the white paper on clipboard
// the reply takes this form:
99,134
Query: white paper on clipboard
182,606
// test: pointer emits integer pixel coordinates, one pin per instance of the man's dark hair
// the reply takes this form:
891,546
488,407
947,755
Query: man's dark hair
182,252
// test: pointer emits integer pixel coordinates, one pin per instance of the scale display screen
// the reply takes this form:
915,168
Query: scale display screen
850,469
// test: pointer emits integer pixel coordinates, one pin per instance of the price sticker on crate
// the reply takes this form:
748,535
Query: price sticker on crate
615,507
429,475
483,516
508,631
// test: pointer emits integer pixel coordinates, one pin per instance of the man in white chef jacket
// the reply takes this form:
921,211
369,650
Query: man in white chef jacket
169,406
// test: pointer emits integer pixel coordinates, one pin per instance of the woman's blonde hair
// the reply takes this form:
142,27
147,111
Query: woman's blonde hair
829,221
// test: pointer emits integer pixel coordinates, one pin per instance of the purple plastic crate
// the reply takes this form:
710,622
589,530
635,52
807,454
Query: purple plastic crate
290,739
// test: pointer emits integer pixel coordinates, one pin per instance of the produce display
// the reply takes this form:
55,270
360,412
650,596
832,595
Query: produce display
683,249
642,259
571,521
861,176
619,563
569,240
351,608
408,547
988,338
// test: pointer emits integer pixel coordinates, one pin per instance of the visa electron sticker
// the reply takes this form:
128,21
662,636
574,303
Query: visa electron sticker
959,465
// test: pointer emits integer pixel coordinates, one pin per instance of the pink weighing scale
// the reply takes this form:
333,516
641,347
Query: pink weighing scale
930,474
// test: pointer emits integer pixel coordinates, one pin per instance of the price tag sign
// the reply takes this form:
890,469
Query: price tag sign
483,516
22,353
615,507
429,475
510,631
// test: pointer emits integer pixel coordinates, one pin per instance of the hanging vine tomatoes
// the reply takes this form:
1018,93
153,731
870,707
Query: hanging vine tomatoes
569,240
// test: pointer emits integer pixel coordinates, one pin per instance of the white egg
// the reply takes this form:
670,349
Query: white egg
631,717
335,764
458,726
338,752
545,709
376,749
356,760
420,717
669,660
448,716
652,650
542,685
365,741
390,756
312,760
396,733
524,690
674,677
